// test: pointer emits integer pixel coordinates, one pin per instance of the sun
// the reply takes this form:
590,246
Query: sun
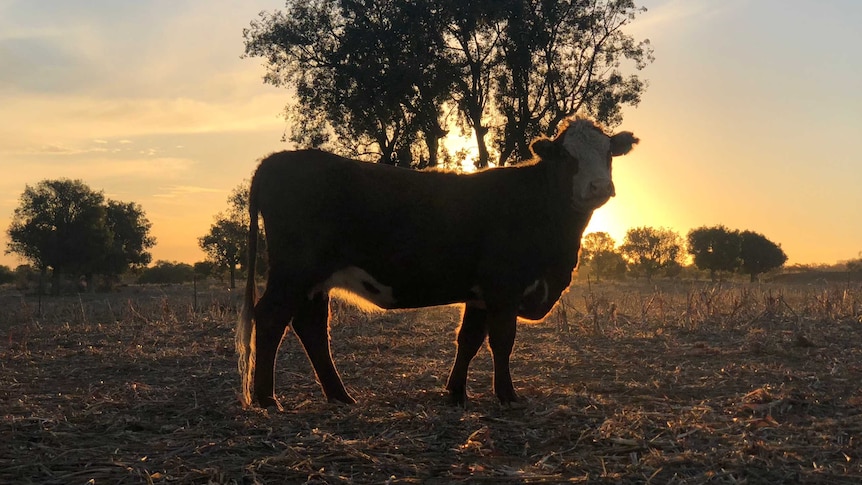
605,220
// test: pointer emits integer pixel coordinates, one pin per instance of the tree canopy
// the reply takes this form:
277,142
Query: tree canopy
649,250
166,272
600,256
759,254
385,79
715,249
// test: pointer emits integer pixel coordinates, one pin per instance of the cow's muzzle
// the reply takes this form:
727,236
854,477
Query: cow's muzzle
601,189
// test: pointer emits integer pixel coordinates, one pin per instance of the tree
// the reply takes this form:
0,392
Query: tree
166,272
379,75
563,57
59,224
759,254
205,269
648,249
25,276
715,249
129,241
473,49
226,243
6,275
598,252
67,227
361,71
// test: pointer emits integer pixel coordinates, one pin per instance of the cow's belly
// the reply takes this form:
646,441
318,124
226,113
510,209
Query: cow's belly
419,292
540,297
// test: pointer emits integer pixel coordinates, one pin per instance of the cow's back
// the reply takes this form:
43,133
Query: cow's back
422,234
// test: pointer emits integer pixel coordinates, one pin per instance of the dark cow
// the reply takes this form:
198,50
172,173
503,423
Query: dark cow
504,241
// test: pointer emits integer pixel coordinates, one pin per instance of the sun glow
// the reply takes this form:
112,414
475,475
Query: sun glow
605,220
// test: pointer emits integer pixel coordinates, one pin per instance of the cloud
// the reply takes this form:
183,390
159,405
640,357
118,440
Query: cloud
673,14
177,191
76,121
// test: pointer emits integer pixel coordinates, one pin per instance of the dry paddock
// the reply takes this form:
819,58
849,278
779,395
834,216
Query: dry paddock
624,383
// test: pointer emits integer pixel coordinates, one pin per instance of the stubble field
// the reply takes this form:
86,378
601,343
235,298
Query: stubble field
623,383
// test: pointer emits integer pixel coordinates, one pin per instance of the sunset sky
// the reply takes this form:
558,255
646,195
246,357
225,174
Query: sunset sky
751,119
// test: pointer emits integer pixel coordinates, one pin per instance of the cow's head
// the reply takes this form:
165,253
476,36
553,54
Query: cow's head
585,147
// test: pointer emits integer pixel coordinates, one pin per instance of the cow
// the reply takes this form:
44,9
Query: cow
503,241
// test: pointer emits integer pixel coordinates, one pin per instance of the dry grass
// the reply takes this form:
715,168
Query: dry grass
681,383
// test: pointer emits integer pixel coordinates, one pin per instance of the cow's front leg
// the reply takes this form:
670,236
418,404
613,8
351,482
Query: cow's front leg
311,325
471,334
501,338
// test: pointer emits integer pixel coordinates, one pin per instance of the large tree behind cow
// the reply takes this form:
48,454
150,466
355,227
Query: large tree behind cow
381,75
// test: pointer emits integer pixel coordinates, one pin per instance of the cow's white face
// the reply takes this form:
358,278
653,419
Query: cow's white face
593,185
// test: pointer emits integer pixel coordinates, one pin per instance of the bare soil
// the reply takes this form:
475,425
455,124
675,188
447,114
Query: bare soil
623,383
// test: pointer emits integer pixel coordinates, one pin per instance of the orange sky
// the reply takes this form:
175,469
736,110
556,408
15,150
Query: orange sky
750,119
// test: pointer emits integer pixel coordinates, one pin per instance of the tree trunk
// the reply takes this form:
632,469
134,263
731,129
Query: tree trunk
91,282
43,276
233,276
482,147
55,282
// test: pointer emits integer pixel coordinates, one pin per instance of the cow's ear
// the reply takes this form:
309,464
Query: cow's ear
622,143
545,148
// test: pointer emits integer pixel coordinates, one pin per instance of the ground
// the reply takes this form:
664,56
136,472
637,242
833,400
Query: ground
624,383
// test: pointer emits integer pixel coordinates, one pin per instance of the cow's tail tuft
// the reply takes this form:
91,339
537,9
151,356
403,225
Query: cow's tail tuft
245,328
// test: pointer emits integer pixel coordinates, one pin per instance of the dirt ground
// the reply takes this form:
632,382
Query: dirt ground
623,383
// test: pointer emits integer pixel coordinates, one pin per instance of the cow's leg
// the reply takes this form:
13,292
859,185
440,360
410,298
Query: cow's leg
311,325
471,334
501,339
272,316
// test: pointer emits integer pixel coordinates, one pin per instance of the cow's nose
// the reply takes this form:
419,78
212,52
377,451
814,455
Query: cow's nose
602,188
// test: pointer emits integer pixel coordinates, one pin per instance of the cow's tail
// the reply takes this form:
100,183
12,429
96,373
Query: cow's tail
245,328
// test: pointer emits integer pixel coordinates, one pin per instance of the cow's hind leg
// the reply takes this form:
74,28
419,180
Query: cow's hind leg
311,325
272,316
471,335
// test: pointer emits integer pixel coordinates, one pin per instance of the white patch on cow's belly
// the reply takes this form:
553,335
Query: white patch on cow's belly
358,282
535,287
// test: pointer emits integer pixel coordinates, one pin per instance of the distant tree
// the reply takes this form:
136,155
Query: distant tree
166,272
649,250
25,277
596,242
129,241
6,275
225,244
715,249
67,227
59,224
599,254
205,269
759,254
855,265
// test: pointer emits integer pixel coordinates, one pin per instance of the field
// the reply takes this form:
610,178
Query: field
624,383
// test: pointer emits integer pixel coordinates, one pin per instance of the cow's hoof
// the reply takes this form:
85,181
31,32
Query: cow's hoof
458,398
270,402
342,399
508,399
